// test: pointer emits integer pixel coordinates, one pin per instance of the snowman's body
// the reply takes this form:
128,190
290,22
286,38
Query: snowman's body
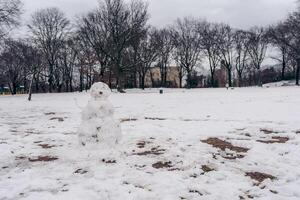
98,124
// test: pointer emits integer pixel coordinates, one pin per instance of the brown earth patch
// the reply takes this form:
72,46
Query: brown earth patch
155,118
80,171
248,196
21,158
259,177
142,144
196,192
206,169
268,131
274,191
50,113
154,151
160,165
42,159
109,161
128,120
231,156
60,119
46,146
223,145
175,169
297,132
276,139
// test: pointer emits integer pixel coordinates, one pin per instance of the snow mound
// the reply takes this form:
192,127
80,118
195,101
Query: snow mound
98,125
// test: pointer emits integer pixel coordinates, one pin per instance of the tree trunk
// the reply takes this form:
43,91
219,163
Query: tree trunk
143,81
81,80
14,88
212,79
50,80
240,79
165,76
229,76
259,78
30,88
298,71
189,79
283,68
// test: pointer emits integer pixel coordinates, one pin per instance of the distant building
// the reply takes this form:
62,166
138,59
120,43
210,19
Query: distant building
153,77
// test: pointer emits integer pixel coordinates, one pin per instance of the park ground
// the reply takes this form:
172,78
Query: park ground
185,144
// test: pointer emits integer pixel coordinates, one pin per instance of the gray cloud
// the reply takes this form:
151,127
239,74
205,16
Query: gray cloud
238,13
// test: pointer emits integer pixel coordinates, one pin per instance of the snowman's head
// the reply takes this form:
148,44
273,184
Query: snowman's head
100,91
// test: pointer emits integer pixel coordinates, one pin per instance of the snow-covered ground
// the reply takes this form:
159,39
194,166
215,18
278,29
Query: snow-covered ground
184,144
280,84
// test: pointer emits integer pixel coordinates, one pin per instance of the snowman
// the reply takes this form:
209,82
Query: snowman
98,126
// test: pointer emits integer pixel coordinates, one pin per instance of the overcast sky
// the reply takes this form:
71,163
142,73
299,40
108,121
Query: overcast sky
238,13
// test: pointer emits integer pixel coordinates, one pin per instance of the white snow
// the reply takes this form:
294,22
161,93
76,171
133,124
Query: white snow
280,84
162,152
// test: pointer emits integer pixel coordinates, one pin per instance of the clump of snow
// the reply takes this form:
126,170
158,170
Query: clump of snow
98,124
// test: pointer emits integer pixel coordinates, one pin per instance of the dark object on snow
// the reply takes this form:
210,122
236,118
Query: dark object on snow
161,91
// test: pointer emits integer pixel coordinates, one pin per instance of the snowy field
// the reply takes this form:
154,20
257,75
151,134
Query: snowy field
186,144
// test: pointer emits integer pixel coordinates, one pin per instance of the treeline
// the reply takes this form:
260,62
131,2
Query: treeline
115,44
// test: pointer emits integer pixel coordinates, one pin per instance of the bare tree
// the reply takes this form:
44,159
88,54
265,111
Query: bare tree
12,64
69,61
10,11
144,54
226,48
187,42
165,49
210,34
113,28
257,48
34,63
49,28
241,58
288,33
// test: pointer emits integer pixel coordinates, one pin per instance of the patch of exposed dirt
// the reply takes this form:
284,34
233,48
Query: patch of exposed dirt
128,120
274,191
137,186
161,165
223,145
50,113
206,169
42,159
247,196
21,158
155,118
196,192
46,146
297,132
175,169
268,131
60,119
276,139
80,171
154,151
231,156
142,144
109,161
260,177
